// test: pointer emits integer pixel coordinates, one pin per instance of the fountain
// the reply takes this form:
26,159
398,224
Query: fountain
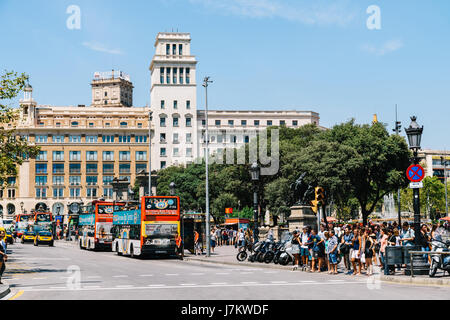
388,211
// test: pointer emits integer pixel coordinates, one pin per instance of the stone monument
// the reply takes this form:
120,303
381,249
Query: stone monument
301,213
301,216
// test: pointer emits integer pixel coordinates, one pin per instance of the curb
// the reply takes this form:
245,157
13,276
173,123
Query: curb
256,264
4,291
416,281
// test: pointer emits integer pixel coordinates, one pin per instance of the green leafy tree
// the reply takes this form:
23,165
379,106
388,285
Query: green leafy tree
244,213
432,197
13,149
219,204
357,161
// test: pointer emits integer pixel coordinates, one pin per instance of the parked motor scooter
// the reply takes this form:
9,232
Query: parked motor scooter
257,247
286,255
439,261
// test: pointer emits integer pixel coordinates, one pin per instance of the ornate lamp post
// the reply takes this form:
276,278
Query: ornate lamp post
445,163
255,171
414,133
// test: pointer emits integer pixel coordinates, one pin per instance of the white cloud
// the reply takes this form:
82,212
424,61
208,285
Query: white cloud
101,48
297,11
387,47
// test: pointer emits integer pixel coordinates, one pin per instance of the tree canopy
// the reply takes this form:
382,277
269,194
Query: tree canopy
13,150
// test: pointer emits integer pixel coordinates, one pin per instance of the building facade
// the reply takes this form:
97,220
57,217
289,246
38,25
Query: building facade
83,148
435,160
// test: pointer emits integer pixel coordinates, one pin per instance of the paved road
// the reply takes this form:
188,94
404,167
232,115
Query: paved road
51,273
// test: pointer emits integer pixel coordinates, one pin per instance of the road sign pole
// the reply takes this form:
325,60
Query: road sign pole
415,174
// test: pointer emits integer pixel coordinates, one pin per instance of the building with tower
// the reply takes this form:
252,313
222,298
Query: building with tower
84,148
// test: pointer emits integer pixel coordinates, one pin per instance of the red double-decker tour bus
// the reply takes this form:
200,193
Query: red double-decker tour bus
24,222
95,223
153,228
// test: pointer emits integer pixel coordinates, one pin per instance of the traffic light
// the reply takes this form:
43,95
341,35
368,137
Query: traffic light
398,127
314,206
319,200
320,196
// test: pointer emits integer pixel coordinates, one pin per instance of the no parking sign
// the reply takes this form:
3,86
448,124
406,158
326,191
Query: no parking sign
415,173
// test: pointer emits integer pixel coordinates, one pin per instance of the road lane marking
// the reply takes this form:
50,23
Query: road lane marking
336,280
156,285
222,273
270,271
278,282
249,282
219,283
17,295
122,276
39,278
146,275
188,284
196,286
125,286
41,258
172,274
309,281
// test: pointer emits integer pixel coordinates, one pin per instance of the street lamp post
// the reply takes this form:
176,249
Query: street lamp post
255,171
206,83
150,119
414,133
172,187
445,164
398,127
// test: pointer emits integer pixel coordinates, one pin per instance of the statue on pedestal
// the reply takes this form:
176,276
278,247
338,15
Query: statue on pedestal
302,191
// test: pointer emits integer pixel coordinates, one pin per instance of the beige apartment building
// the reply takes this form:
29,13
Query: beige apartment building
83,148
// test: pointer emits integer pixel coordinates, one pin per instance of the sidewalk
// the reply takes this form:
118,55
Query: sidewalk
227,255
417,280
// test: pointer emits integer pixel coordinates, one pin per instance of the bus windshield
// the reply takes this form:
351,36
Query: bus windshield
161,230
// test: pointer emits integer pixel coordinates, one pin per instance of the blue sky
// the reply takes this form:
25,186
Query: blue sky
262,54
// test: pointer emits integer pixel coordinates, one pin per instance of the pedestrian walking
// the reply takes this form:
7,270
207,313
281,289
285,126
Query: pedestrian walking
346,244
305,239
296,249
332,252
407,235
197,249
316,251
241,238
355,252
384,243
213,240
368,244
3,255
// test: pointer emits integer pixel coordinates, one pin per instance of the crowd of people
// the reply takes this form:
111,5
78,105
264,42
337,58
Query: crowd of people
223,237
359,247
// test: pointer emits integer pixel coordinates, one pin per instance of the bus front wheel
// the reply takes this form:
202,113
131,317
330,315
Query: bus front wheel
117,250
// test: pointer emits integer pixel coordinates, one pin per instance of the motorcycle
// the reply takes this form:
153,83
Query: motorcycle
439,261
242,255
286,256
265,247
272,249
257,247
